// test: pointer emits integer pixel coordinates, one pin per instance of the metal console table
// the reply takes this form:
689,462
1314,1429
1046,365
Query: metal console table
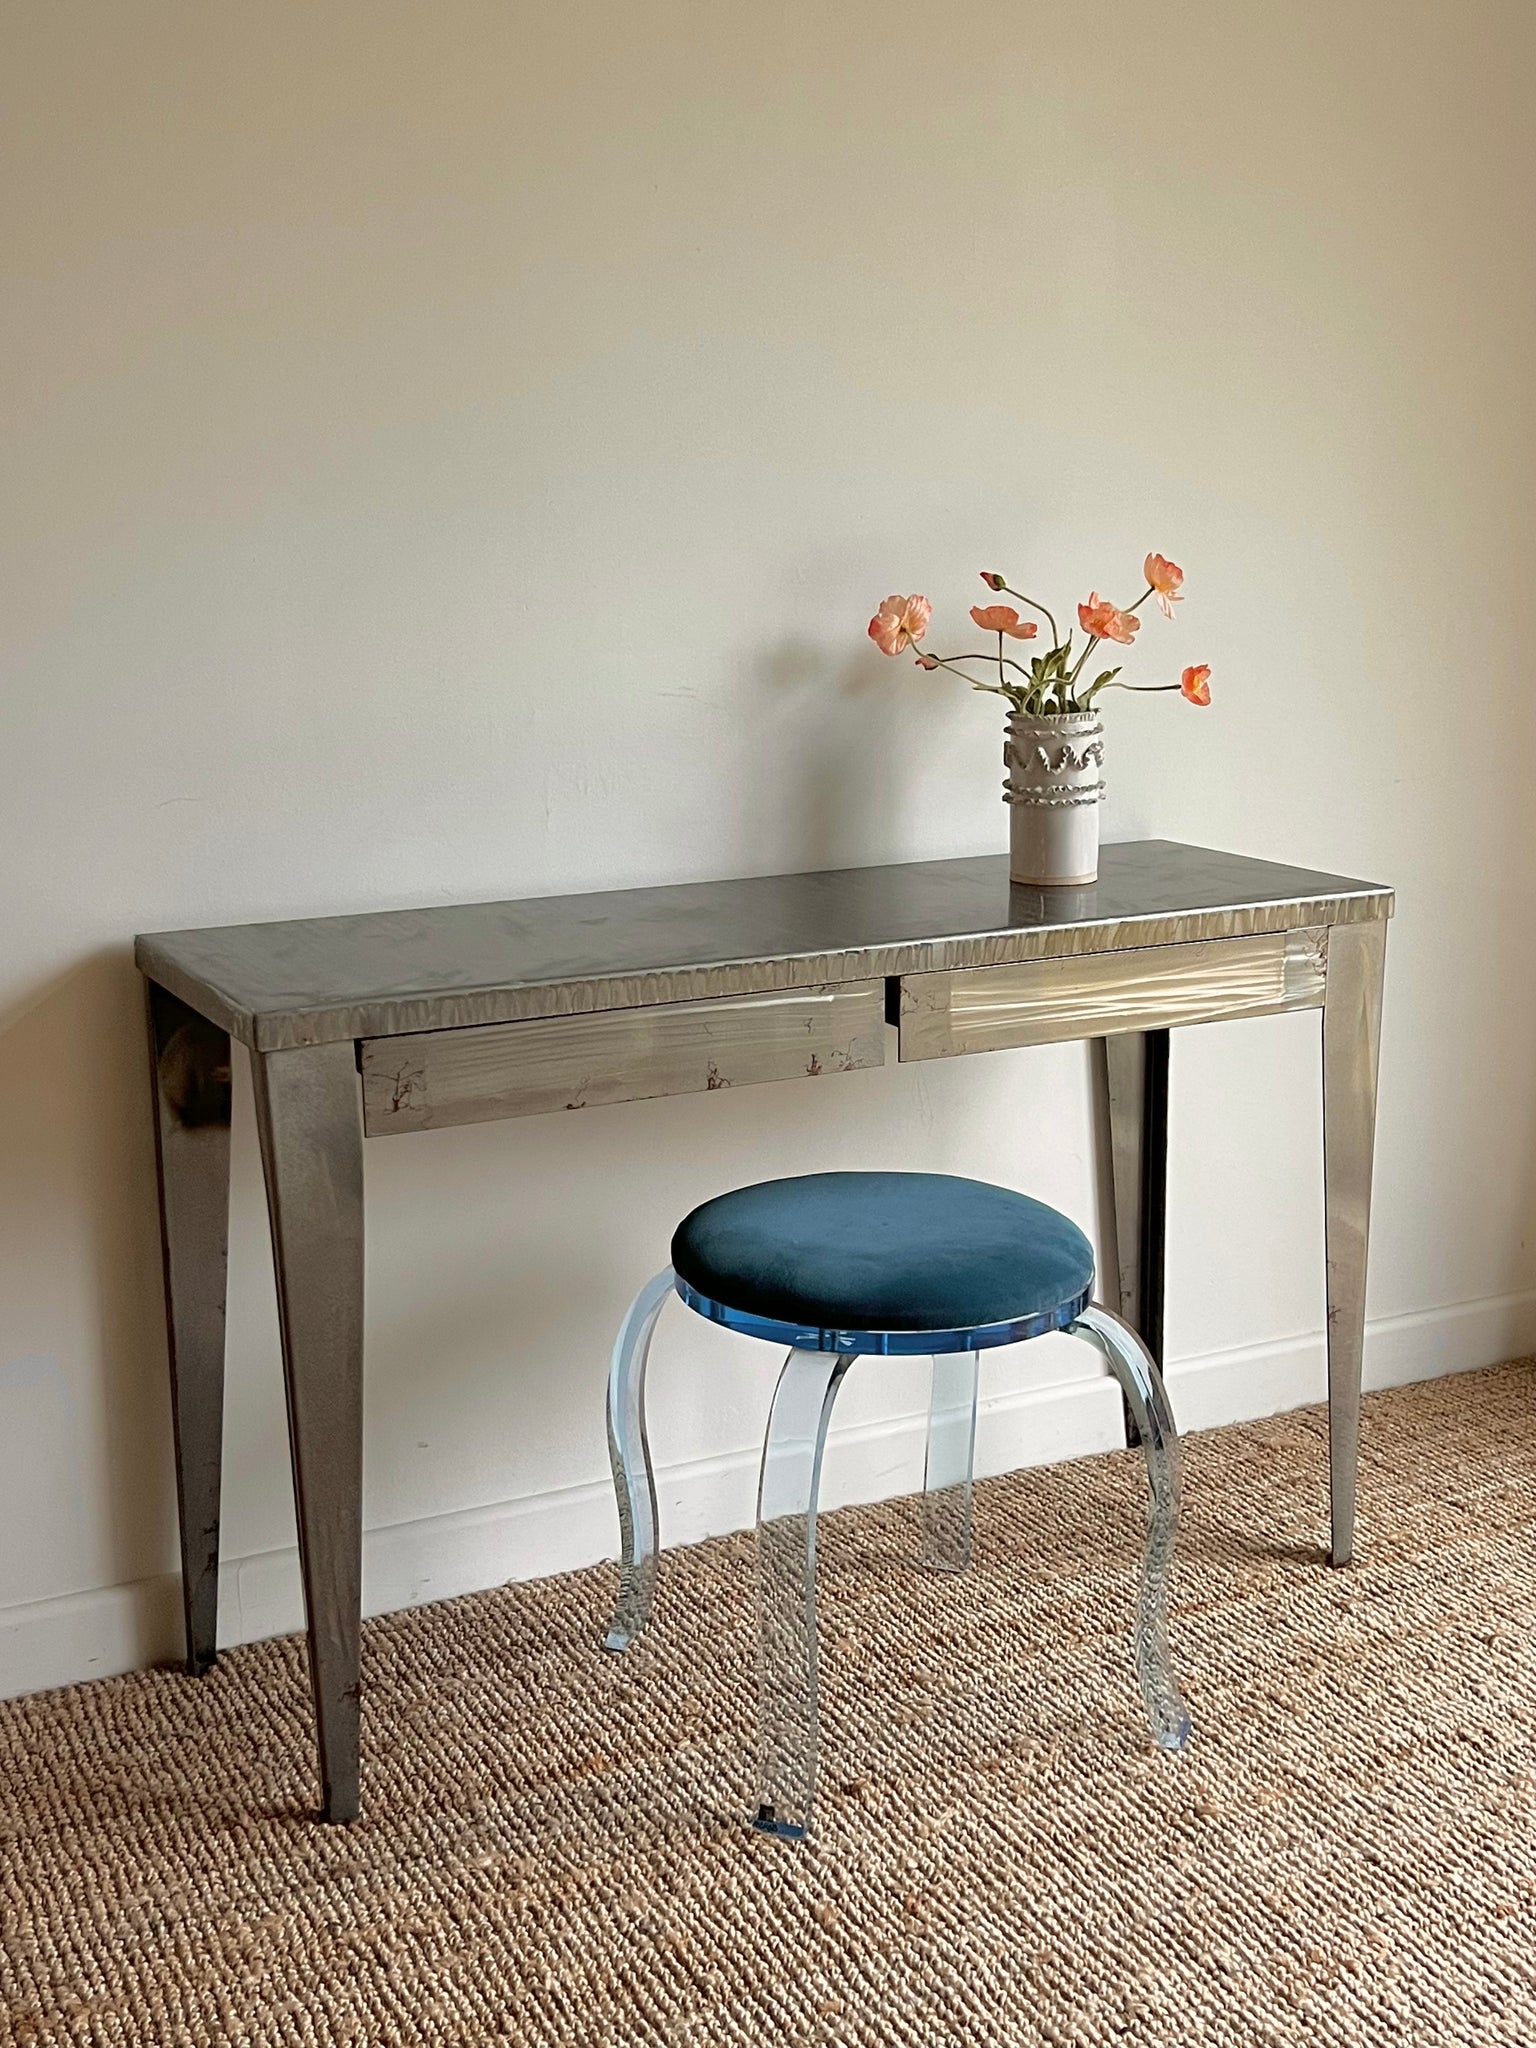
406,1020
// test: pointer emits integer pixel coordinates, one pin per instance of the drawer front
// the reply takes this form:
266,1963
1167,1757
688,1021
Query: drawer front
424,1080
1094,995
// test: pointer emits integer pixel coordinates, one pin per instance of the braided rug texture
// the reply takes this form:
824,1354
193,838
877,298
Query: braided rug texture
553,1849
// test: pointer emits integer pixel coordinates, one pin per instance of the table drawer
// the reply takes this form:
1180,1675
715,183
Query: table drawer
1093,995
423,1080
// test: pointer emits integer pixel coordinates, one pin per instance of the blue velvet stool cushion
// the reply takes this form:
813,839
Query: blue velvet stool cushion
883,1251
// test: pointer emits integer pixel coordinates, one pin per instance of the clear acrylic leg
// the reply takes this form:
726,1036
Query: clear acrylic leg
786,1564
630,1452
1141,1383
951,1450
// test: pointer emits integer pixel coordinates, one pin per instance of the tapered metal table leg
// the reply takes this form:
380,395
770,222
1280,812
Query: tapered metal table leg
308,1118
1351,1043
189,1079
1133,1078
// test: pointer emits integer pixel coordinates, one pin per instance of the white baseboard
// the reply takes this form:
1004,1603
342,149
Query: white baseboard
109,1629
1267,1379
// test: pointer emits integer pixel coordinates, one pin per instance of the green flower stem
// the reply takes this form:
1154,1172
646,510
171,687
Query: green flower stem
1082,662
946,659
1037,607
940,662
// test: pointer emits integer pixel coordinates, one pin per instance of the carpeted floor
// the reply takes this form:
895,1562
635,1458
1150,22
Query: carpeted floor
553,1850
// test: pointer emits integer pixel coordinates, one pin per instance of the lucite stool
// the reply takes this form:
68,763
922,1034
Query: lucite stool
836,1265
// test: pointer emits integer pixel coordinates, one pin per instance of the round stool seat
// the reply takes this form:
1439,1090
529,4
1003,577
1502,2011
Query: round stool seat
833,1256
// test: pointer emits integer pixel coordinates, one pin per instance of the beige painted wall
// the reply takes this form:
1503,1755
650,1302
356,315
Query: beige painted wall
452,450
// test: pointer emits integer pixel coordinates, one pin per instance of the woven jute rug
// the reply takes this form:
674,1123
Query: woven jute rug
553,1848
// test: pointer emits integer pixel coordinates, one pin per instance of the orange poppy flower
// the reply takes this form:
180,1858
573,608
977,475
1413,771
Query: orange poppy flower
1002,618
1164,578
1106,621
1196,684
900,621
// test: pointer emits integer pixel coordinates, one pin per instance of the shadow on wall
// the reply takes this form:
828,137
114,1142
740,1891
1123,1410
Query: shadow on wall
854,774
84,1409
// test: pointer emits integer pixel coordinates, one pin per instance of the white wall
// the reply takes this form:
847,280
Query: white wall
452,451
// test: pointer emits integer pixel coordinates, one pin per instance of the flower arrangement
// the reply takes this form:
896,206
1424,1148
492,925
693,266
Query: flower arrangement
1053,684
1053,747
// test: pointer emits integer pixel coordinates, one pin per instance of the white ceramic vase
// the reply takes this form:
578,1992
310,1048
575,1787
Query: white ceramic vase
1054,786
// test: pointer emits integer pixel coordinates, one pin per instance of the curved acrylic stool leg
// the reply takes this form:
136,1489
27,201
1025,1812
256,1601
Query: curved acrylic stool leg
1140,1381
786,1583
630,1452
951,1452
